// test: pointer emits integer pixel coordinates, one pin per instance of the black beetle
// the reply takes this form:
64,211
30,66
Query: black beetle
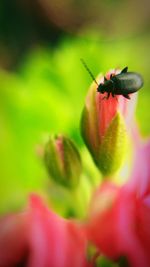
124,83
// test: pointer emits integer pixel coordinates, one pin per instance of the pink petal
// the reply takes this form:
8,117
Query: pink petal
54,241
139,181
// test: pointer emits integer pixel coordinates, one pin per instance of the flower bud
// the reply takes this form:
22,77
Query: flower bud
103,127
63,161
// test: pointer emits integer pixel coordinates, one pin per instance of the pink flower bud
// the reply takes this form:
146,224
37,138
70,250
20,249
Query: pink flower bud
40,238
104,124
119,221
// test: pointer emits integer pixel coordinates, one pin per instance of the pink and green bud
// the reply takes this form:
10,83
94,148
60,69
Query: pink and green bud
63,161
104,126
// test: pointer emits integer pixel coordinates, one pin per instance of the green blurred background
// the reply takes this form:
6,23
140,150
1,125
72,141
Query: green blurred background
43,83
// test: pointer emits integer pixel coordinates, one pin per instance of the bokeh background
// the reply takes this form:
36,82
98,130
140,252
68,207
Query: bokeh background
43,83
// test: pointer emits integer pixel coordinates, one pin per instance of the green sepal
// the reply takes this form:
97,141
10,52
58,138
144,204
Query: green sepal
113,147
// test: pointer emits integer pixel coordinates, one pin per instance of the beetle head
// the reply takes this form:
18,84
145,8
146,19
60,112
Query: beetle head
101,88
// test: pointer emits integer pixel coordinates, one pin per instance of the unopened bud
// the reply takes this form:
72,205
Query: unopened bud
63,161
104,126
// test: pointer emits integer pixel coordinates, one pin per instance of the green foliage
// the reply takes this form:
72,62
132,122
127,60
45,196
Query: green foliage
47,96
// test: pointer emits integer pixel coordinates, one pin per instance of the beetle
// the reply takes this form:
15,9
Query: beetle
124,83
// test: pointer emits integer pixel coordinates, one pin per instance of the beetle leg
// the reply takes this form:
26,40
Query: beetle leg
108,95
127,96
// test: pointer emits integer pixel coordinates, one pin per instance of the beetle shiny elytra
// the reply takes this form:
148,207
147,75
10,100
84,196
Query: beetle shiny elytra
124,83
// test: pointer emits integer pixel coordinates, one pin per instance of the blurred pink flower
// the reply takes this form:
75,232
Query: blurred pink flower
40,238
119,223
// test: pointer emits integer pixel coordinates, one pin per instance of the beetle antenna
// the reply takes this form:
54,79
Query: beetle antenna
92,76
